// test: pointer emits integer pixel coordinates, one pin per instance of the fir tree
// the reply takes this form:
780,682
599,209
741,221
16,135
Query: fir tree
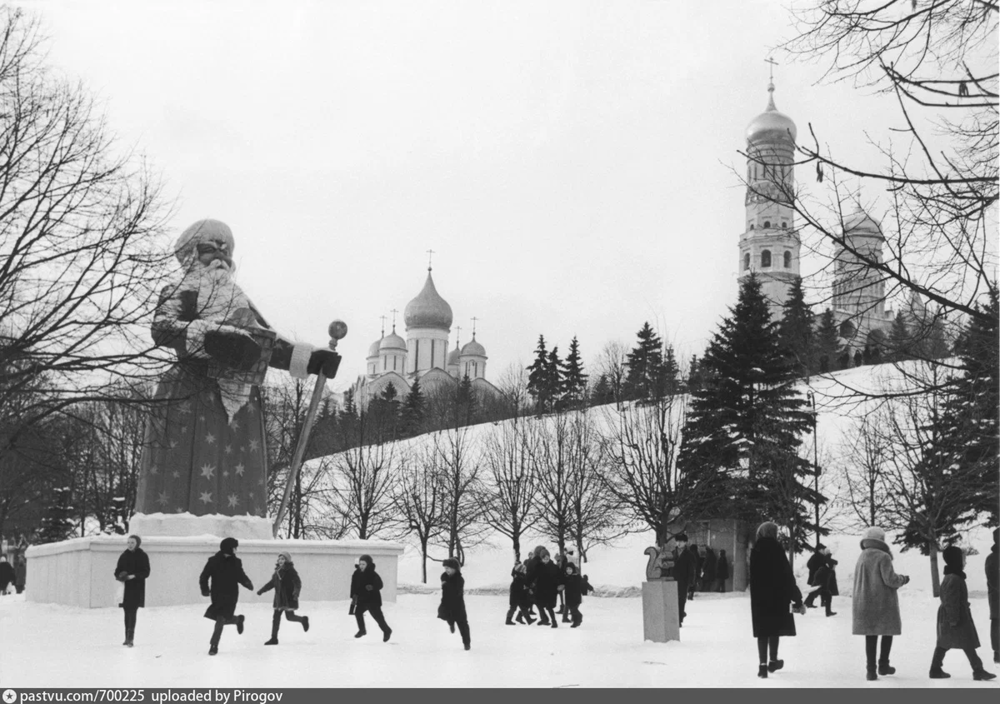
56,523
827,343
574,380
414,408
555,384
538,377
745,425
645,379
602,393
669,372
966,447
795,330
465,401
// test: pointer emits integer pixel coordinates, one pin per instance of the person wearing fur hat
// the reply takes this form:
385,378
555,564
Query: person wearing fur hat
993,595
518,597
546,587
574,593
955,627
207,425
721,571
773,596
452,607
286,585
220,580
875,602
132,570
368,592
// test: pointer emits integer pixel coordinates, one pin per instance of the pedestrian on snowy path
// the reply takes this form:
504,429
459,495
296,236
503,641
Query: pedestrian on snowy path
955,627
518,597
825,581
369,598
574,593
452,607
875,602
816,560
721,571
708,570
286,585
683,572
993,595
220,580
132,570
546,587
773,597
6,575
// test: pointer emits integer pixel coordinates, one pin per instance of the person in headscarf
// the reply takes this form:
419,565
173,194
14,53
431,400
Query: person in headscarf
773,596
875,602
955,627
286,585
993,595
132,570
204,451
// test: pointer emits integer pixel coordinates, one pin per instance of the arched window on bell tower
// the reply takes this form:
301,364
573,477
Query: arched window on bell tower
746,261
788,260
765,259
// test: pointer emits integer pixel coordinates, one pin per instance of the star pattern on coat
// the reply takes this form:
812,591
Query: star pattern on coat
207,471
206,497
163,498
234,500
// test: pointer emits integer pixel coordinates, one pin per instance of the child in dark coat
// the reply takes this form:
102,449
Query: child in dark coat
574,594
132,570
955,627
220,580
452,608
825,581
368,594
286,585
519,597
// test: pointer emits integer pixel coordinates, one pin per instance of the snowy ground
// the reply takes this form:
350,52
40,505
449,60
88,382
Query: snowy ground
56,646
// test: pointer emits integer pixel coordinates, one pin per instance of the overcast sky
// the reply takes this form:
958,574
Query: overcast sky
570,163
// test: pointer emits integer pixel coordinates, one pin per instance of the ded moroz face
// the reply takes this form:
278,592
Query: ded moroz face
210,251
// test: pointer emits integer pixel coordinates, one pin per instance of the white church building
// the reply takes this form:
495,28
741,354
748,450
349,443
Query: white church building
424,354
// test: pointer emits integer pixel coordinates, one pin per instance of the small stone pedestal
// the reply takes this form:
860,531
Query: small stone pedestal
660,621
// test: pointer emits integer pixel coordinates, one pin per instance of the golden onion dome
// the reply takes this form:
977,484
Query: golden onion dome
861,224
428,309
473,349
771,125
392,341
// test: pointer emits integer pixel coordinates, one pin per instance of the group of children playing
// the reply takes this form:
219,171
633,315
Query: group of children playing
541,581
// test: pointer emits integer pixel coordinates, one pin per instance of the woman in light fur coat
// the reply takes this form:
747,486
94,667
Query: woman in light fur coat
875,604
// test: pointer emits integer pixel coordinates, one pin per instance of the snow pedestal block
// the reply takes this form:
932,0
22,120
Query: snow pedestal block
80,572
660,619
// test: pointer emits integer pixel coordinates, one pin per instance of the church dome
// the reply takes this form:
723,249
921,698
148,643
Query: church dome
861,223
771,125
373,349
392,341
428,309
453,358
473,348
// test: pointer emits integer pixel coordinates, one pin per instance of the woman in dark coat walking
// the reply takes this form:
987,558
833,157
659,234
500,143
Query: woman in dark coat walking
772,590
132,570
368,592
955,627
452,607
220,580
993,595
708,570
286,585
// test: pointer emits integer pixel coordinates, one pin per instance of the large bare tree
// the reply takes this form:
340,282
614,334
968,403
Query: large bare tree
507,497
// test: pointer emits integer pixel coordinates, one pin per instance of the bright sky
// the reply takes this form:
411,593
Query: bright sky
570,163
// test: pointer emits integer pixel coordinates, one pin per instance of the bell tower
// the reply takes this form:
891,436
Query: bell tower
770,244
